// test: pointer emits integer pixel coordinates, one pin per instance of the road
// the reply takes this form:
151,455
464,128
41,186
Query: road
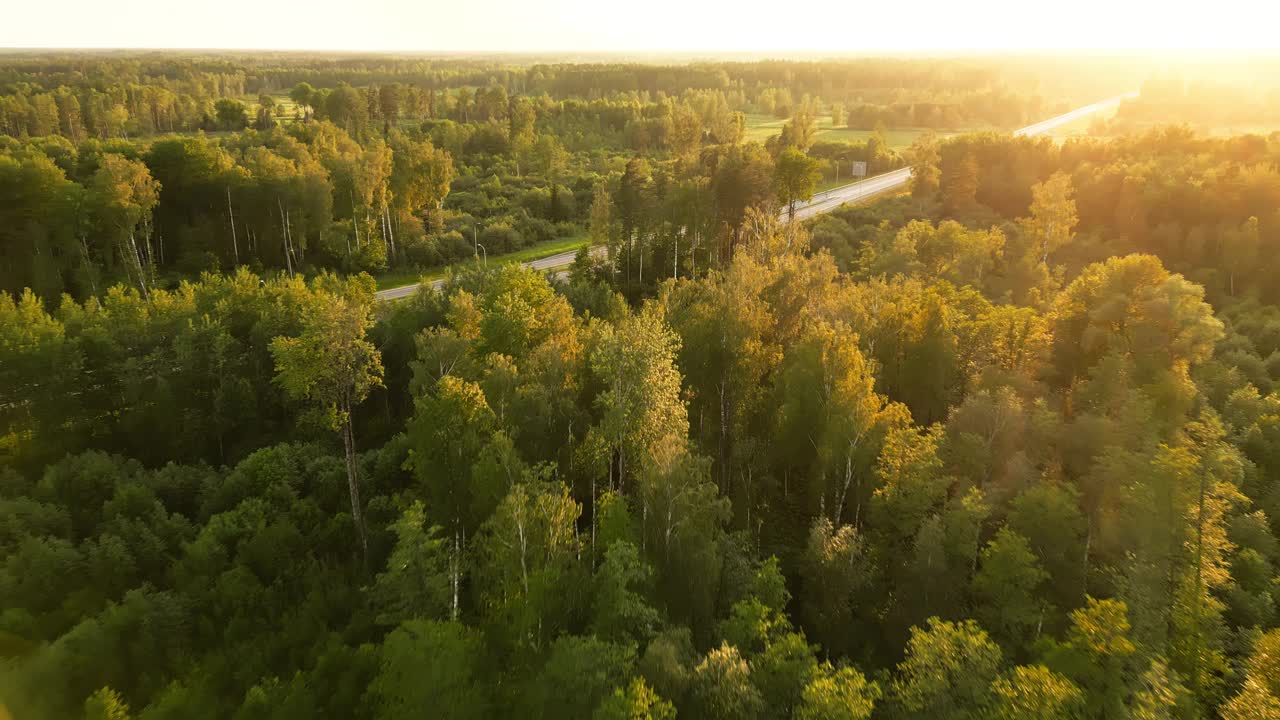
822,202
831,199
551,262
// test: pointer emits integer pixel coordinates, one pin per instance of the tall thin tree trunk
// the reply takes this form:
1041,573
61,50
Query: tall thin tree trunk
137,262
1199,586
284,237
1088,540
235,247
353,484
354,225
391,231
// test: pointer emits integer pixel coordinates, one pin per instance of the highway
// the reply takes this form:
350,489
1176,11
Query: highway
825,201
829,200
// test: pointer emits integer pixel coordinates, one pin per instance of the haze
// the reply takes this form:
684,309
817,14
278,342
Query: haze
660,26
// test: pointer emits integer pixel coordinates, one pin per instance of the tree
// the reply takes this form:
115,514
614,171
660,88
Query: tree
1259,698
1134,307
105,704
332,365
1048,516
122,195
830,420
580,674
1098,656
835,570
1052,215
231,114
637,701
601,217
948,672
620,610
799,131
266,112
432,668
642,415
959,182
722,688
1240,249
686,132
1162,695
837,115
527,551
415,584
785,667
1030,693
842,694
924,157
303,95
420,174
742,179
1007,590
795,177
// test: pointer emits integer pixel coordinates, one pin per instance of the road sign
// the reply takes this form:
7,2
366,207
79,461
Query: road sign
859,169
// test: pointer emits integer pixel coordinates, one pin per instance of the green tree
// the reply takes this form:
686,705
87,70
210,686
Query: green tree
620,609
799,130
830,420
960,182
1052,216
415,584
580,674
1259,698
526,554
601,216
122,195
432,668
1032,692
925,159
1007,590
642,415
722,688
105,704
303,95
1098,656
637,701
331,364
231,114
795,177
948,672
842,694
835,571
1240,250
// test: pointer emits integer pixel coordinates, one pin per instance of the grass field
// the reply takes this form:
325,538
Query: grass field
536,251
760,128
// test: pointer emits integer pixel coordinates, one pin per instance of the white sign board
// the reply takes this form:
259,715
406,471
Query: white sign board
859,169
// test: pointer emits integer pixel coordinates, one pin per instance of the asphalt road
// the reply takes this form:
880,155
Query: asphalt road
825,201
551,262
831,199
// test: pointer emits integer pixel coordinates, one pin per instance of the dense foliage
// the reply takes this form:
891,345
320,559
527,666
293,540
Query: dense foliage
1004,447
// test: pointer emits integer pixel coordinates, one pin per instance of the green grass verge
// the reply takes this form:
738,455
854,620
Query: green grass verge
760,128
897,138
537,251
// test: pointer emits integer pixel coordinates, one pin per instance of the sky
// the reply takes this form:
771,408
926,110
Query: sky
669,26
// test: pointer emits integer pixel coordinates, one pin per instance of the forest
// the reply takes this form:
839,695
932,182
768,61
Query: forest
1003,445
